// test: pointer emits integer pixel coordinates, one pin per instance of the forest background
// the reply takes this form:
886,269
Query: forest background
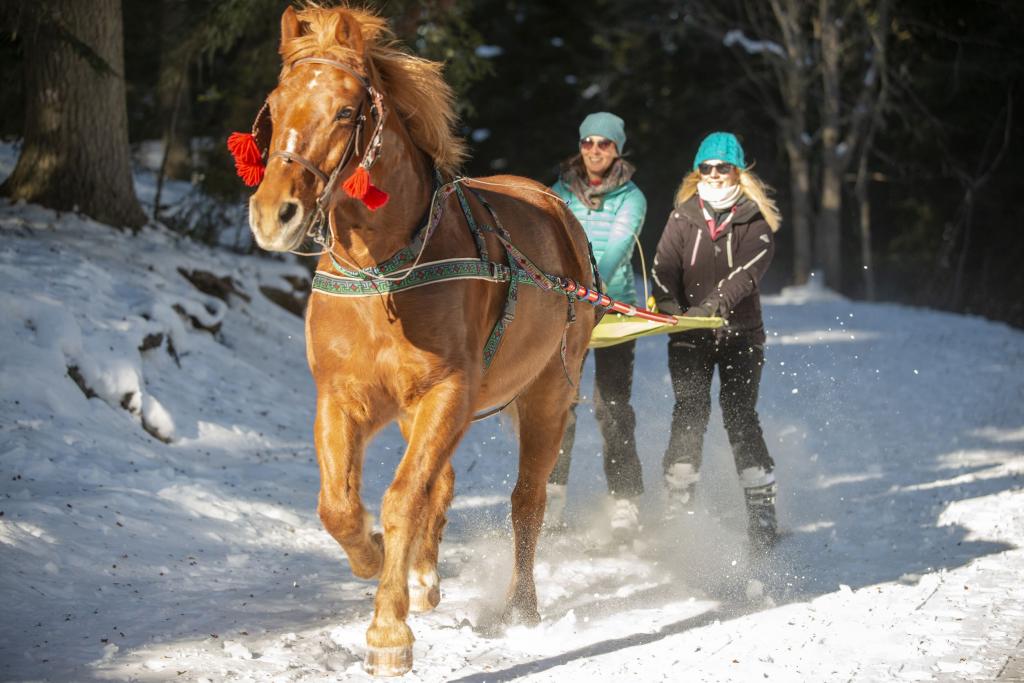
889,128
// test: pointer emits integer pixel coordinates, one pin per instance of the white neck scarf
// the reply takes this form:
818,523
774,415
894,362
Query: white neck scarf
719,198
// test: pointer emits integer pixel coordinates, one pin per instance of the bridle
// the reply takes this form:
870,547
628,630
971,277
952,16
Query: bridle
317,224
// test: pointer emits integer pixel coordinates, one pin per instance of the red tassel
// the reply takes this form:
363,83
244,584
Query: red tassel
248,160
358,186
375,198
355,185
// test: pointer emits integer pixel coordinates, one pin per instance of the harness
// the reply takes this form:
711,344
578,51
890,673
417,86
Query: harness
517,270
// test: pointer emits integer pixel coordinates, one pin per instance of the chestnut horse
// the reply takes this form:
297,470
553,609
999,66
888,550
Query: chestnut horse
415,355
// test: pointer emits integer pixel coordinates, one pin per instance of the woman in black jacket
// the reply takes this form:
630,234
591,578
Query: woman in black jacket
717,244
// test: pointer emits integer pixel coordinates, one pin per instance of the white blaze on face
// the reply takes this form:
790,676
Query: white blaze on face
312,82
293,139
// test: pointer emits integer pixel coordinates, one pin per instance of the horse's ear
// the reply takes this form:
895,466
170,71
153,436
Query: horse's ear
289,26
350,32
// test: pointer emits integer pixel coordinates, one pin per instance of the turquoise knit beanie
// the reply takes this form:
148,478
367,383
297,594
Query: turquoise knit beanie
722,146
607,126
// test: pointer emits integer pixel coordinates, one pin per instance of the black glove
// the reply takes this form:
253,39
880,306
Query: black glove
705,309
669,305
699,311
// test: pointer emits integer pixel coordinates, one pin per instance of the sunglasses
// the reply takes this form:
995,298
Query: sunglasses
603,144
723,168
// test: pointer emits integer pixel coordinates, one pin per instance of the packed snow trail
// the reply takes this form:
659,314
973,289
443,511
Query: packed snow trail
165,528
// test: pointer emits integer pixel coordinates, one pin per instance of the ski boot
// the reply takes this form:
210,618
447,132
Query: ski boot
625,520
681,483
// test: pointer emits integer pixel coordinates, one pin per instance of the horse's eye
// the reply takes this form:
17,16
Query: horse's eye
345,113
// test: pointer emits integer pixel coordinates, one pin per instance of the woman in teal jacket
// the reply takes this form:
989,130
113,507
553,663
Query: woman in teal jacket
596,185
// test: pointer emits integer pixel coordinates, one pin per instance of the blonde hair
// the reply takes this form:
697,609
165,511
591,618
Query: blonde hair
415,87
753,188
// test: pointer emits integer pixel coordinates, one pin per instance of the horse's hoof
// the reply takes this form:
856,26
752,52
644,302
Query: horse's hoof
388,661
423,598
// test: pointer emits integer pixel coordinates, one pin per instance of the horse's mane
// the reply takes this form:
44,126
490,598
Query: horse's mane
413,86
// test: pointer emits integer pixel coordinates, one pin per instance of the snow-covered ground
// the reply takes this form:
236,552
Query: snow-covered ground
165,528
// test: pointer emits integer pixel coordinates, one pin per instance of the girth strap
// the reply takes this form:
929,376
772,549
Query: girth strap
509,311
523,268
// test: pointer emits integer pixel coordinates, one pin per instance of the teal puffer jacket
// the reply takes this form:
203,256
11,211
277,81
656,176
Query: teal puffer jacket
611,230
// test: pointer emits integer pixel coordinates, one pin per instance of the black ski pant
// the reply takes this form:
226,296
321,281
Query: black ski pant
613,384
692,359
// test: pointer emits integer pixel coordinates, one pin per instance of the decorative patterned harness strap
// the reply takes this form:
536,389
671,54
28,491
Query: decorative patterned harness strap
426,274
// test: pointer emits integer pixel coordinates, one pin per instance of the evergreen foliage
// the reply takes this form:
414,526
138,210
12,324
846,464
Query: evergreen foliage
945,161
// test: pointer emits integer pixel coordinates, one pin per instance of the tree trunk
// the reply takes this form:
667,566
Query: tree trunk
829,246
864,210
878,29
75,154
800,191
793,83
173,89
829,249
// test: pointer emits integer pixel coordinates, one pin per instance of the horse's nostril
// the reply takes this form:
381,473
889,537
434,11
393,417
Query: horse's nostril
287,211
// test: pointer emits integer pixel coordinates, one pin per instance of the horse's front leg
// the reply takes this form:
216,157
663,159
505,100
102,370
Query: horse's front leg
441,418
340,445
424,582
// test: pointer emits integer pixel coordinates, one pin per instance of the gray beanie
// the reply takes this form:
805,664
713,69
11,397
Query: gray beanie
606,125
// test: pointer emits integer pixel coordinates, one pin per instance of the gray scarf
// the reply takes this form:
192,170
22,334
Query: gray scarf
574,176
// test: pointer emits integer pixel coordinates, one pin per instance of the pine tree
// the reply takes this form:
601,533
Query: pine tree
75,154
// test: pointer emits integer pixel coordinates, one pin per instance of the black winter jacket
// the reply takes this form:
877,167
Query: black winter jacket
691,269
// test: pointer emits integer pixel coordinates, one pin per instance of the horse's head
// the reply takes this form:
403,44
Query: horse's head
323,126
319,111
